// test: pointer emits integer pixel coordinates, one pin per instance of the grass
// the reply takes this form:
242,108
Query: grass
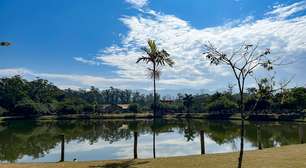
292,156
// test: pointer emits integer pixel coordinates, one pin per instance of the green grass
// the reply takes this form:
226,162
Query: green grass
293,156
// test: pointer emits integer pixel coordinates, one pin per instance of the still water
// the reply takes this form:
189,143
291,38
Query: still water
30,141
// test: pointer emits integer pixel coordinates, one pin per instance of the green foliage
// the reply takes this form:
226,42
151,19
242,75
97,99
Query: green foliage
3,111
133,107
187,102
222,104
28,107
40,97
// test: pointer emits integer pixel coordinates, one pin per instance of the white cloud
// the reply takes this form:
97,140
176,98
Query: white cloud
281,11
86,61
137,3
285,37
76,81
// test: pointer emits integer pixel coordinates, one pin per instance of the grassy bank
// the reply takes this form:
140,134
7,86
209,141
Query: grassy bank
283,157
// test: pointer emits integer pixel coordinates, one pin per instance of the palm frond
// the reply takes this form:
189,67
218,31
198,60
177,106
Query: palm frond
151,73
144,59
152,45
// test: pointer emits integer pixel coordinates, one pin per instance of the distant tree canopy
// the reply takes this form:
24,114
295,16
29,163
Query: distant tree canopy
21,97
40,97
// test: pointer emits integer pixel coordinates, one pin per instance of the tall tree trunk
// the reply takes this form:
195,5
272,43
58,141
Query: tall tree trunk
202,142
241,127
241,143
154,90
135,144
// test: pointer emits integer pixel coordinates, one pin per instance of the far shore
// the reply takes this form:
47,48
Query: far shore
146,115
280,157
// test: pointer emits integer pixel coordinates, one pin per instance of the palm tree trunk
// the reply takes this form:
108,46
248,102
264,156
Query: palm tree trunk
154,91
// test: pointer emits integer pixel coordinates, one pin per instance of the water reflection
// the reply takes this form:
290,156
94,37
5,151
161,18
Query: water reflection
30,141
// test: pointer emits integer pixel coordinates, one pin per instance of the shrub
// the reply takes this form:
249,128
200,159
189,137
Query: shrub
27,107
222,104
3,111
133,108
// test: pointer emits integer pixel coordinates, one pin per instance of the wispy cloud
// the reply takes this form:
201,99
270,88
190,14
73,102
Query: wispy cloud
281,11
184,43
86,61
76,81
137,3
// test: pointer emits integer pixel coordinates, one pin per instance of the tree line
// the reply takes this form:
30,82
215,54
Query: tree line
20,97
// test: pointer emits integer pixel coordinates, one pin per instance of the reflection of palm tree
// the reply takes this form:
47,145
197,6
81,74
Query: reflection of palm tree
189,133
157,58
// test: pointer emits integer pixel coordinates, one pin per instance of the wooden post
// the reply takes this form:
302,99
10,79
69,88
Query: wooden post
154,156
135,144
258,130
62,148
202,142
301,134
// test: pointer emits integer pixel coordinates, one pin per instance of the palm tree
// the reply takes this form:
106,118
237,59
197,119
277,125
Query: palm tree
187,101
157,58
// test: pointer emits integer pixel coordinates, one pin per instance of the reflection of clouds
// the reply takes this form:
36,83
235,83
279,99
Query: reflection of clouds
167,144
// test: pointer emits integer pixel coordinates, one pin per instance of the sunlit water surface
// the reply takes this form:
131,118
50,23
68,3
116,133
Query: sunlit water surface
29,141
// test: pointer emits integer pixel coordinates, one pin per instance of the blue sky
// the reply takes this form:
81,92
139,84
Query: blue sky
78,43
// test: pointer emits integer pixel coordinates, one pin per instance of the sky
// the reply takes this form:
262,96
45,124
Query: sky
78,44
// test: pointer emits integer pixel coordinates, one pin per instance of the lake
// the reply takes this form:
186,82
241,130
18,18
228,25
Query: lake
40,141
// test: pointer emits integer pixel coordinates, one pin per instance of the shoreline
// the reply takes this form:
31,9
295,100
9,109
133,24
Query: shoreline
280,157
142,116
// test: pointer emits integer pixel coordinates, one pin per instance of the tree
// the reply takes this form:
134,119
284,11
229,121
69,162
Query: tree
157,58
187,101
243,62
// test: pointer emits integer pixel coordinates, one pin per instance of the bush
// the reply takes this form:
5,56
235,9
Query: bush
133,108
222,104
88,108
3,111
28,107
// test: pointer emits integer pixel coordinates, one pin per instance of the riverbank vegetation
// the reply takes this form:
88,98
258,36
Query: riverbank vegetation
36,139
20,97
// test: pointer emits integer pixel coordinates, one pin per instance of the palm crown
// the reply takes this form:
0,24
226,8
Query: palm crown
156,57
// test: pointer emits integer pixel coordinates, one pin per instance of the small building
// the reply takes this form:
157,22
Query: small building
112,108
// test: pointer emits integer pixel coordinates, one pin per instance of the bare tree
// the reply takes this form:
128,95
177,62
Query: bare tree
243,63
